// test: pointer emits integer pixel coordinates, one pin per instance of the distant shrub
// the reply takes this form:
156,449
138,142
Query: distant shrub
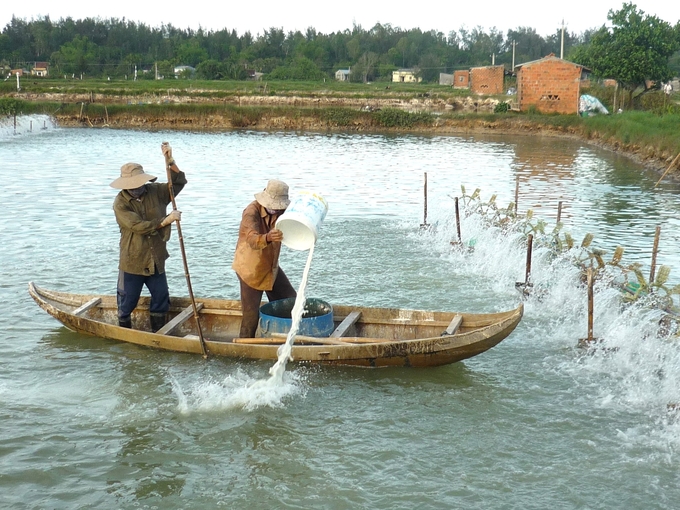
10,106
339,116
393,118
502,107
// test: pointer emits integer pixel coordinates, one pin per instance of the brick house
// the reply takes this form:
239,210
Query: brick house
551,84
487,80
461,79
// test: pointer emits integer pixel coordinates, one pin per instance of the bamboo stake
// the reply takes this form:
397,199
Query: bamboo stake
458,221
424,224
655,249
459,242
204,351
559,211
667,169
583,342
526,284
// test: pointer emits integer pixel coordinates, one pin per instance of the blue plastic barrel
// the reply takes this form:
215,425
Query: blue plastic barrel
276,317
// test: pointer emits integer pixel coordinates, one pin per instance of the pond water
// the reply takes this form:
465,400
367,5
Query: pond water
535,422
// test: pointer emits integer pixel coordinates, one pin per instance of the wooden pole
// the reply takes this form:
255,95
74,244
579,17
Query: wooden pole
527,273
584,342
591,306
530,242
652,271
667,169
425,202
458,221
204,351
559,211
516,193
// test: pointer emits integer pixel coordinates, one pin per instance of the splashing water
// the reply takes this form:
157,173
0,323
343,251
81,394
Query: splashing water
238,390
242,392
25,125
640,361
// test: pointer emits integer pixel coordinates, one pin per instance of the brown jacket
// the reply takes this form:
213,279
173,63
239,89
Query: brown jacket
256,261
142,244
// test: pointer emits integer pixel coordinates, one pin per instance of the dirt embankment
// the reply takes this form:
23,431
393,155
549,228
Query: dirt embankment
304,120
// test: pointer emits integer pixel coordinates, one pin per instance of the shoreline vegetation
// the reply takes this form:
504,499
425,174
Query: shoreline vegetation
649,137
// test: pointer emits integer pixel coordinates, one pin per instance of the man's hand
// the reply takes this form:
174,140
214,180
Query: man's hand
167,151
274,235
174,215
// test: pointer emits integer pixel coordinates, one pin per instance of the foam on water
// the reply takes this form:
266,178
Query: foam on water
241,390
238,390
634,367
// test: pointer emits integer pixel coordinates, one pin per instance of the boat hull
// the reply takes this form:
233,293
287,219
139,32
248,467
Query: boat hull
381,337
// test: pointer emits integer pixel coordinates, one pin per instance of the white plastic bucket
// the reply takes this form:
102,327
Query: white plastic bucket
302,219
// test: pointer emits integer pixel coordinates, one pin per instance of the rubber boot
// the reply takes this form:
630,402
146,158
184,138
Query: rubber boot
158,320
125,323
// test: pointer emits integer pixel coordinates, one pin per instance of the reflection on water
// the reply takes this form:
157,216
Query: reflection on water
119,426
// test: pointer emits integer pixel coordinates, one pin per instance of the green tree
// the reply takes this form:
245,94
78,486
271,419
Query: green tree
210,70
637,48
76,57
300,69
190,53
365,68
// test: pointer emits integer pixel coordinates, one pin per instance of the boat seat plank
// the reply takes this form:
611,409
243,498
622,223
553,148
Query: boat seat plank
347,323
85,307
454,325
179,319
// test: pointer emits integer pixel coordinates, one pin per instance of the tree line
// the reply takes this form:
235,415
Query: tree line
115,48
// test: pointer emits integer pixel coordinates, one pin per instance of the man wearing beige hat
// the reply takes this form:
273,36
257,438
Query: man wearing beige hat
256,260
140,210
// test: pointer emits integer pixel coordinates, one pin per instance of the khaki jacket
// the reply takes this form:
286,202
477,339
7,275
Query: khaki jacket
142,244
256,261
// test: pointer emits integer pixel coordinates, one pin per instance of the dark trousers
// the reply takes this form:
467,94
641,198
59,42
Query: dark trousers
251,299
130,287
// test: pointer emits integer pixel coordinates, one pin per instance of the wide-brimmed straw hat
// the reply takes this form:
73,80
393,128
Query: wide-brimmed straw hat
132,176
274,196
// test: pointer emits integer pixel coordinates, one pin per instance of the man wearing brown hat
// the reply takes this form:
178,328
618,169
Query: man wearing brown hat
256,260
140,210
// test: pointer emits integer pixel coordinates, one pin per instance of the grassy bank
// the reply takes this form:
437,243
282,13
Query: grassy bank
652,138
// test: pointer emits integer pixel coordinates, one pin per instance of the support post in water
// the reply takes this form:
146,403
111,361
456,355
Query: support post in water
525,286
652,271
584,342
559,212
516,193
458,242
424,224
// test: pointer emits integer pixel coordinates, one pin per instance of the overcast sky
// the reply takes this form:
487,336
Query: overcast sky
327,17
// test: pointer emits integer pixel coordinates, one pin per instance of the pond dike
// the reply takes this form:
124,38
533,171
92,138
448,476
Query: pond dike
459,116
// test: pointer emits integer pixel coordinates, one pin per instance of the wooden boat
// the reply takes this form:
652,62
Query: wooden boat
368,337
